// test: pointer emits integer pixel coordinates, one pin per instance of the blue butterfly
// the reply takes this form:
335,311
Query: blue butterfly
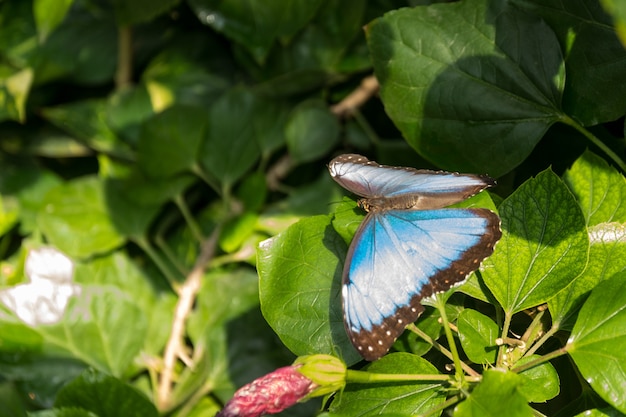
408,247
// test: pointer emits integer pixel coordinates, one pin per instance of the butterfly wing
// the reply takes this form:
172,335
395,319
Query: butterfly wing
399,257
437,188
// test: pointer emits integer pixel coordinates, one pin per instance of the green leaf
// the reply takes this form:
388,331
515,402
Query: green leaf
76,219
169,141
101,327
478,334
49,14
540,383
230,148
130,13
86,120
253,191
544,244
62,412
9,213
105,396
347,219
28,182
429,323
119,270
602,412
312,131
299,289
11,402
607,256
498,394
127,109
594,57
256,24
617,10
82,49
14,91
224,295
596,340
41,377
408,398
489,71
237,230
599,188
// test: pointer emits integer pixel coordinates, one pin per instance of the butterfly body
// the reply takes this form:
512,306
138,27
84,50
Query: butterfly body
408,247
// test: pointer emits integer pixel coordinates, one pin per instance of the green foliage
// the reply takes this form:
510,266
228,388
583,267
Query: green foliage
176,152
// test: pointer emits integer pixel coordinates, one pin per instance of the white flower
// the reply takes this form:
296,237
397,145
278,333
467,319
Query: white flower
44,298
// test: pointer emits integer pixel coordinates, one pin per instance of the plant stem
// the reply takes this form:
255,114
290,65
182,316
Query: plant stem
413,328
595,140
145,245
540,360
505,331
124,71
191,222
368,377
543,340
441,306
175,346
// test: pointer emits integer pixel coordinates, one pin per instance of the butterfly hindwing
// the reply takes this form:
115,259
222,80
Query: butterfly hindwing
399,257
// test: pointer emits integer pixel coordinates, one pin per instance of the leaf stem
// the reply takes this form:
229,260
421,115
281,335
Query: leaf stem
145,245
547,335
441,306
542,359
191,222
595,140
412,327
369,377
505,331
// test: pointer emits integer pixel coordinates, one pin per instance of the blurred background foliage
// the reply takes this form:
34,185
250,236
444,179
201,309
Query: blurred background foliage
157,143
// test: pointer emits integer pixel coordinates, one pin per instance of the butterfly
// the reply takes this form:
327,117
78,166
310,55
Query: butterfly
408,247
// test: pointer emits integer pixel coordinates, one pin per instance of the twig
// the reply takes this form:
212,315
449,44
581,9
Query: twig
187,295
278,171
124,72
354,100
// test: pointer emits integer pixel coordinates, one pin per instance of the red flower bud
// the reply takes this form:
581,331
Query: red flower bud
269,394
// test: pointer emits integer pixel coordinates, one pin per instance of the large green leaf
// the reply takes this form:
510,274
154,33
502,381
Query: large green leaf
489,71
169,142
300,273
599,188
256,24
230,147
597,340
607,256
76,219
544,244
408,398
101,327
594,57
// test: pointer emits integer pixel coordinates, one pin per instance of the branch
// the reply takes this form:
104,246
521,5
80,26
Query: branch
354,100
175,347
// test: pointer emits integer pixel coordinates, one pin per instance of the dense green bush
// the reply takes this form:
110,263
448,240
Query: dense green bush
159,144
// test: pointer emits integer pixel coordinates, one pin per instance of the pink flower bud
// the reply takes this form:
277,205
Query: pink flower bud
269,394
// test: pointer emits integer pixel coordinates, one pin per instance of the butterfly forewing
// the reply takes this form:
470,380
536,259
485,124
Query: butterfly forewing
437,188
